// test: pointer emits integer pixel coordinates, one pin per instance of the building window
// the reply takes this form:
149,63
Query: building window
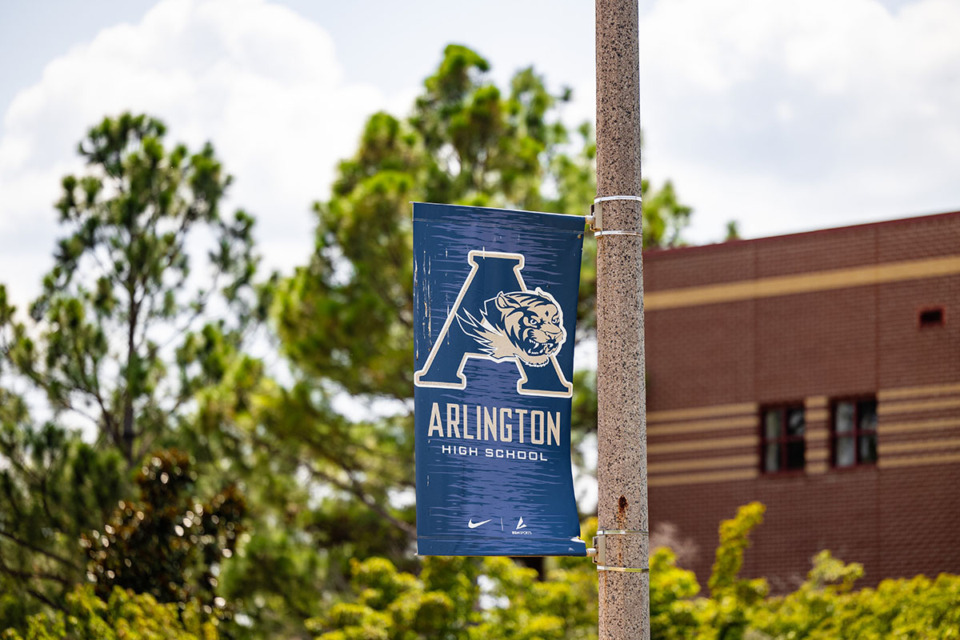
854,432
783,444
932,317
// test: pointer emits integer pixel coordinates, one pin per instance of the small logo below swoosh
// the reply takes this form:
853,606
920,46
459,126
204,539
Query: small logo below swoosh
474,525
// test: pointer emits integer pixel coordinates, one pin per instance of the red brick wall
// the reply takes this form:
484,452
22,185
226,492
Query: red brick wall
900,517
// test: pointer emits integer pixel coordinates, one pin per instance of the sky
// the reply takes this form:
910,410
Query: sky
785,116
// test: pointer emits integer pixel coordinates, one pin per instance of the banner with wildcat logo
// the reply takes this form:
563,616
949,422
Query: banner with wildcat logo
495,308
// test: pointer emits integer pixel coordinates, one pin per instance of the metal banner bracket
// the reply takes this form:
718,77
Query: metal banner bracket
599,550
595,219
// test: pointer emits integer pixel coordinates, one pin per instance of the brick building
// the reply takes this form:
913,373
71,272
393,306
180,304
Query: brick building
818,373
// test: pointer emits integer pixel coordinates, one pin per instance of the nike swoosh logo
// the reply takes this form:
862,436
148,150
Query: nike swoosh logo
474,525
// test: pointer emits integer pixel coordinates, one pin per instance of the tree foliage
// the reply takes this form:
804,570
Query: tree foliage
477,599
467,142
117,345
169,544
472,599
119,291
123,615
826,606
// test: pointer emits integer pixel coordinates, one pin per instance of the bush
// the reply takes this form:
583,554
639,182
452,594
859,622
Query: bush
122,616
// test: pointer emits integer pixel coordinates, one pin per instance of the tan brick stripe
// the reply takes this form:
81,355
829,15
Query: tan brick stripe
671,428
919,461
886,409
703,444
914,392
706,463
714,411
697,478
936,444
801,283
936,424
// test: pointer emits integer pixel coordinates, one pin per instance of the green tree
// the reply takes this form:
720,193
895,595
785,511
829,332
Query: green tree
447,602
673,610
168,544
827,606
726,614
467,142
124,615
125,332
733,231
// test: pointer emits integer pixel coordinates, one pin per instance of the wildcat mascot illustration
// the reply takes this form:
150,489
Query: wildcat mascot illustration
520,324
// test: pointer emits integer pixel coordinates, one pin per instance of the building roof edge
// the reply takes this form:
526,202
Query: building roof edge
657,251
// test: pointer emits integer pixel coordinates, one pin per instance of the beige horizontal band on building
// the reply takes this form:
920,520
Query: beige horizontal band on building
933,444
697,478
702,425
886,409
706,443
713,411
817,467
916,392
919,461
936,424
817,415
817,454
801,283
817,435
816,402
703,463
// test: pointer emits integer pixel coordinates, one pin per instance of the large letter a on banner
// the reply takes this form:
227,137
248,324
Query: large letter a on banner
495,317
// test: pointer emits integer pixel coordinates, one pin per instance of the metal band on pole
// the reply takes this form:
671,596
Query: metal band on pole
599,550
596,215
617,232
622,532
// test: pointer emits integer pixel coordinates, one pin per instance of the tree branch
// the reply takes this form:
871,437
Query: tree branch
44,552
354,488
36,575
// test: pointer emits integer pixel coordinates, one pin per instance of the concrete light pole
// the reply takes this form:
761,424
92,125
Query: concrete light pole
623,541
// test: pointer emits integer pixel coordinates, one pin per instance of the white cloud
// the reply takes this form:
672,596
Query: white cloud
786,115
259,81
801,114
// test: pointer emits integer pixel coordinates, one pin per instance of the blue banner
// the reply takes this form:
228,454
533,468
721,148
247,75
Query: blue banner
495,298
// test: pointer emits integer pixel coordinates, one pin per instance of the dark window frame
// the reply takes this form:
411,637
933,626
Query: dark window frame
783,439
931,324
855,434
